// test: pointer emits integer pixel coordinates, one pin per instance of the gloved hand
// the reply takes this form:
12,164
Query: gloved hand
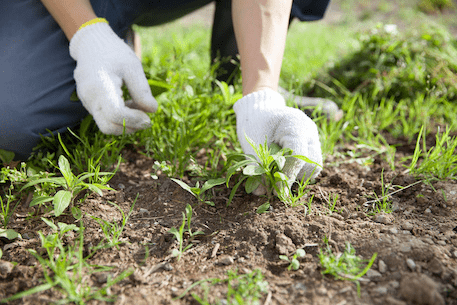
264,113
103,62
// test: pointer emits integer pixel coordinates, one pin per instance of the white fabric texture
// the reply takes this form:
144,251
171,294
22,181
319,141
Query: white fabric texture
103,63
265,114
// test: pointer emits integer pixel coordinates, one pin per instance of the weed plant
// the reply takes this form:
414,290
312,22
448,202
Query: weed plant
345,266
179,233
72,185
265,170
293,262
64,267
439,161
241,288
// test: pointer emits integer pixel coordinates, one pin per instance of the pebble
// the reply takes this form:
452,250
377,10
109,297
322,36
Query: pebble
427,211
142,211
454,254
6,268
428,241
383,218
381,290
382,267
411,264
393,230
226,261
441,242
394,284
407,226
373,274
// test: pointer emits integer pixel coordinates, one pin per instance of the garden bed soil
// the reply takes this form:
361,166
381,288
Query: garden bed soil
416,244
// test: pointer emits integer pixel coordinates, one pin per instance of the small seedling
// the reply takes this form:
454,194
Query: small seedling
333,198
294,263
382,203
111,230
179,233
242,288
198,192
346,265
72,185
263,208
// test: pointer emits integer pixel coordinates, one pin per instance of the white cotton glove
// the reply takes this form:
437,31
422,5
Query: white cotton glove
103,63
265,114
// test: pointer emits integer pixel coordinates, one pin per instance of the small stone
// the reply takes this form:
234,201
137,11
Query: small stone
441,242
393,230
427,211
382,267
411,264
371,274
428,241
407,226
384,218
121,186
226,261
381,290
167,267
454,253
142,211
6,268
394,284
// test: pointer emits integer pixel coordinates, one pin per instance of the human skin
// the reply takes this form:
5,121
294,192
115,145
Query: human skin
260,31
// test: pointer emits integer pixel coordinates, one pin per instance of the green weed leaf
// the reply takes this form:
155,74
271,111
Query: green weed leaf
61,201
263,208
40,200
253,170
211,183
9,234
64,167
252,183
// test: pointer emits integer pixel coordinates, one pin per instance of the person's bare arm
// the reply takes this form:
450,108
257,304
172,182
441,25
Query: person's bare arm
70,14
260,31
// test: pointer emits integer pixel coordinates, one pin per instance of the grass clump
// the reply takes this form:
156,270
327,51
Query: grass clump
345,266
439,161
241,288
393,66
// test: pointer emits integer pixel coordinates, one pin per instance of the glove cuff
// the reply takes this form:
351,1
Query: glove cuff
263,99
91,36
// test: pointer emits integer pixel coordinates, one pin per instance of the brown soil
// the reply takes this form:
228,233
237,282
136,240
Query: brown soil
422,228
416,243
